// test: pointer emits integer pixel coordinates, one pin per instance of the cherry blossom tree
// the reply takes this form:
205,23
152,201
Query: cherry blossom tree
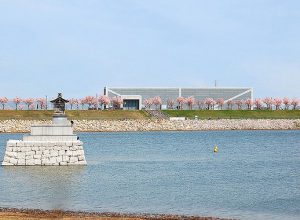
170,103
104,100
258,103
277,103
269,102
190,102
200,104
239,104
3,101
21,107
90,101
286,101
82,103
28,102
157,101
41,102
220,102
295,103
249,103
209,103
72,102
148,103
180,100
17,101
117,102
31,106
230,104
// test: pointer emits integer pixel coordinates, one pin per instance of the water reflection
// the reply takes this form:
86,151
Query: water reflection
50,187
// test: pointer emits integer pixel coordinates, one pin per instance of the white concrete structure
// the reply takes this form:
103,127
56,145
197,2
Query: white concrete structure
54,144
135,96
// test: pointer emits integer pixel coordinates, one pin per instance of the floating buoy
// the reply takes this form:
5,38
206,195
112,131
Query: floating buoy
216,149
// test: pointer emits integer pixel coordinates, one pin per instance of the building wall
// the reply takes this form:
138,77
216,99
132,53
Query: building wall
174,93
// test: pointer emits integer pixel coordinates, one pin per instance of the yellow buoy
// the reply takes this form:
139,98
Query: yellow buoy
216,149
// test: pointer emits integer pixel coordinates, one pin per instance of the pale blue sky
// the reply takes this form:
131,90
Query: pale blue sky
78,47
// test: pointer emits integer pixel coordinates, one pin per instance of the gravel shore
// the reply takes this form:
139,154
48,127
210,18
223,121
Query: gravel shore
12,126
30,214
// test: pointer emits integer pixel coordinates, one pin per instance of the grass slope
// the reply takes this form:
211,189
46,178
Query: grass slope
235,114
73,114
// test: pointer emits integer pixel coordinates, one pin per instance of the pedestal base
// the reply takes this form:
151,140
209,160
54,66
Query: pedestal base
24,153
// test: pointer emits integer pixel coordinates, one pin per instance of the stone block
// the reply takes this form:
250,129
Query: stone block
68,153
6,159
53,153
7,164
81,157
21,162
29,153
65,158
37,156
83,162
21,155
29,157
53,160
11,154
46,152
37,162
38,152
59,159
13,161
73,159
30,162
63,163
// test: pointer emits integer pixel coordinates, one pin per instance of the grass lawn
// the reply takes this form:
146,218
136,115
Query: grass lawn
235,114
73,114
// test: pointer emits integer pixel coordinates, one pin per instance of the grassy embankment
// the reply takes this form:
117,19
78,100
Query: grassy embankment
235,114
125,114
73,115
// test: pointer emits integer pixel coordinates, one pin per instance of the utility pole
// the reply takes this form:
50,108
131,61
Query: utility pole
46,102
215,83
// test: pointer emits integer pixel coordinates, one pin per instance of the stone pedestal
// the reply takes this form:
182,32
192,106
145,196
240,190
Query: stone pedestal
47,145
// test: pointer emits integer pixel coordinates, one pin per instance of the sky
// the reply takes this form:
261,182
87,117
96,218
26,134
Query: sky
78,47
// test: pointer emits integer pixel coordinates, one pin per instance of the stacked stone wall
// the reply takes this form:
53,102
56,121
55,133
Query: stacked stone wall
44,153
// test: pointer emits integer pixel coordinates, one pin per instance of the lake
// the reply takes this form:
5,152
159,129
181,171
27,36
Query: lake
255,175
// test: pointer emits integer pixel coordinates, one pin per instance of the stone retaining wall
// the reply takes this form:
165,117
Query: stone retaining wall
44,153
160,125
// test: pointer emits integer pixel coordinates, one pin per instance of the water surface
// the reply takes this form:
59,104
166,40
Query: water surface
255,175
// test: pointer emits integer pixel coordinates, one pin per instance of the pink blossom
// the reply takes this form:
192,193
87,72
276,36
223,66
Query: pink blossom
200,104
41,102
277,103
295,103
117,102
181,101
286,101
3,101
230,104
31,107
148,103
28,102
170,103
239,104
104,100
21,107
209,102
220,102
90,100
249,103
73,102
269,102
190,102
17,101
258,103
157,101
